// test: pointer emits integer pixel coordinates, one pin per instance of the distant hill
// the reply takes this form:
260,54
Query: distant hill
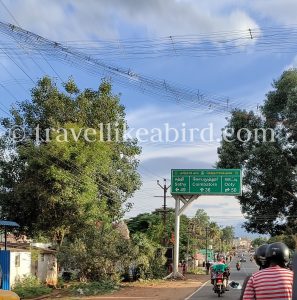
241,232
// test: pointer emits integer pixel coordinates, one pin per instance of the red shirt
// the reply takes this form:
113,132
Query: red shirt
271,283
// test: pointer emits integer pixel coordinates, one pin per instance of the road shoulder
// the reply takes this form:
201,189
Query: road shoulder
157,290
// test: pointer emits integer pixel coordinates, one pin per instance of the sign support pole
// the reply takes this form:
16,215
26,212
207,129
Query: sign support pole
186,200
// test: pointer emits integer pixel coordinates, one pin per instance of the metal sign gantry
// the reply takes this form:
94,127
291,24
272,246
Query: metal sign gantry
184,190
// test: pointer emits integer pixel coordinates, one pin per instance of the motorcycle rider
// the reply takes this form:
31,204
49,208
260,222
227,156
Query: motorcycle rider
260,256
274,280
220,266
260,259
238,265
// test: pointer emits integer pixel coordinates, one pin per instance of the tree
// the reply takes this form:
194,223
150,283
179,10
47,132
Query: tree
259,241
66,173
227,236
98,254
268,158
151,224
148,257
215,235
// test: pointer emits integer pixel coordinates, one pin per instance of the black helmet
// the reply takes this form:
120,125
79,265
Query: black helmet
278,252
260,255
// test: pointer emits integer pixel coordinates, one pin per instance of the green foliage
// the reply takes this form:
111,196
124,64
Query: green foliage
94,288
149,257
192,230
259,241
269,164
99,253
228,234
55,184
30,287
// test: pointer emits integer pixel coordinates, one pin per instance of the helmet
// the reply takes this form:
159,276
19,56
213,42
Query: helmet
221,259
278,251
260,255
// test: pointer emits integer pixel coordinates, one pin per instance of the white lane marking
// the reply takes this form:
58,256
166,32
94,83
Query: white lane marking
247,274
202,286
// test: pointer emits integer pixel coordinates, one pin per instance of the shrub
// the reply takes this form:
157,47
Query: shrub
97,255
30,287
149,258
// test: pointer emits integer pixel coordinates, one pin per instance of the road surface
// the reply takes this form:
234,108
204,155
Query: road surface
206,292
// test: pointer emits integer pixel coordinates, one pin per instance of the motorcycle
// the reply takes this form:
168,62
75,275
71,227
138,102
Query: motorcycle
238,267
218,285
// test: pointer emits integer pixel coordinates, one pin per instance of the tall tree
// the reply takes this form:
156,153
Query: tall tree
68,170
259,241
228,235
267,153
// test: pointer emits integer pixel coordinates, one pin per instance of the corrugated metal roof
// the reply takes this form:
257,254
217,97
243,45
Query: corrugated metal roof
9,223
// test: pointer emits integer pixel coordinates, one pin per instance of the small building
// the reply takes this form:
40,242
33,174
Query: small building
27,259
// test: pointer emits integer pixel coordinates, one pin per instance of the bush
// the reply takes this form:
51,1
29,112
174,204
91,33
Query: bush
149,258
94,288
30,287
97,255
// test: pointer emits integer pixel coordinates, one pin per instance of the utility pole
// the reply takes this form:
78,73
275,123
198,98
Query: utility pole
206,236
190,233
165,189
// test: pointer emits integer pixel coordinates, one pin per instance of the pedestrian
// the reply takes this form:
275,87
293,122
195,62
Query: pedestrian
207,267
184,268
275,281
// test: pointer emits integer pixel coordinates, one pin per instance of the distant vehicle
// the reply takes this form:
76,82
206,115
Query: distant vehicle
243,259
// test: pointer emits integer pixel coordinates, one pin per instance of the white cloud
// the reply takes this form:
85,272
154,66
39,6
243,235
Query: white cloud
283,12
148,114
207,153
64,19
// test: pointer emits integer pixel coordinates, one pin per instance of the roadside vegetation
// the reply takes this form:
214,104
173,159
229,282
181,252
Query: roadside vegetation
75,192
31,287
64,185
268,161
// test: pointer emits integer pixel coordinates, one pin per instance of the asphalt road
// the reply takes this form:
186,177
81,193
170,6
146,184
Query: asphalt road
207,293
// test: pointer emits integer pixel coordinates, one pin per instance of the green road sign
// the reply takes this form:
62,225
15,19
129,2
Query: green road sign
206,182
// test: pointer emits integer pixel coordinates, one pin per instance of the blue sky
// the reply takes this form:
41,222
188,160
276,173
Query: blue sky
244,77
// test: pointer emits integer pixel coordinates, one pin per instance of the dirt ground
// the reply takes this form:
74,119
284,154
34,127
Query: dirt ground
157,290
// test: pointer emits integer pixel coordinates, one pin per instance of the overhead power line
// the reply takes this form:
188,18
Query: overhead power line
187,97
266,39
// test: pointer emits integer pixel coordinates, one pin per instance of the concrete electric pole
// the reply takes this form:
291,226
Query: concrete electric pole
165,189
